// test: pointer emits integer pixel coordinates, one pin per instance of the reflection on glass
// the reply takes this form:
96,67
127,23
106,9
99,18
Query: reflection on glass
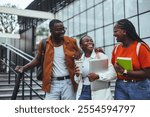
99,38
130,7
108,12
98,16
83,22
90,19
144,25
108,35
144,5
118,10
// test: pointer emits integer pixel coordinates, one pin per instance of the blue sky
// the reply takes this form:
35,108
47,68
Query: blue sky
19,3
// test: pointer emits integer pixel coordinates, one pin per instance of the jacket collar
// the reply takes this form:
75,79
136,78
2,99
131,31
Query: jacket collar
93,55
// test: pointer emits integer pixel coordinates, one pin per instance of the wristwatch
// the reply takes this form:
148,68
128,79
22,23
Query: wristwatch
125,72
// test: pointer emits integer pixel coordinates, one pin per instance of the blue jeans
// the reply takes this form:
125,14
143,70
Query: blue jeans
85,93
61,90
132,90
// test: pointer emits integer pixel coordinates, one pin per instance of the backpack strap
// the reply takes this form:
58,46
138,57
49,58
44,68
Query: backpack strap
115,50
138,48
43,46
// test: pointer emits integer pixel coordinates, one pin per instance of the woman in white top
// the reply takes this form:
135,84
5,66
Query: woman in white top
95,86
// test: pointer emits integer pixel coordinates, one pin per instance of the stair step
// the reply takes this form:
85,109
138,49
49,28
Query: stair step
6,89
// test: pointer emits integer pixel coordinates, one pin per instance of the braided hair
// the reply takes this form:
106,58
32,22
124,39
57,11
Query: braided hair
130,30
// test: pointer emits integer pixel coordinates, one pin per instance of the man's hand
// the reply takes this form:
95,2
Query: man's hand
19,69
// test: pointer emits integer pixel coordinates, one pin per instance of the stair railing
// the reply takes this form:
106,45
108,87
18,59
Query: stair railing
19,76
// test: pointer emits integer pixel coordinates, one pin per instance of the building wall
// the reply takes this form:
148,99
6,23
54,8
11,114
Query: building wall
97,18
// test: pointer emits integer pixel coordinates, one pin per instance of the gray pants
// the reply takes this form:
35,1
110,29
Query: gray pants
61,90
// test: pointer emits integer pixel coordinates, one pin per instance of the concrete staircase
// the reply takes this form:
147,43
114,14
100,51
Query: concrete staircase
6,89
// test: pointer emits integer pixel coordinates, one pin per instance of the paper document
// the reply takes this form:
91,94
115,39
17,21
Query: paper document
98,65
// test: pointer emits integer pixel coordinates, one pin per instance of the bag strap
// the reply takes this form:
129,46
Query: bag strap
43,46
138,48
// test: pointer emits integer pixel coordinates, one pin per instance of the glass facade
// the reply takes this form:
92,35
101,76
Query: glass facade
97,17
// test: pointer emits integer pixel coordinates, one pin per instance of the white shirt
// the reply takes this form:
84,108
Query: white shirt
59,67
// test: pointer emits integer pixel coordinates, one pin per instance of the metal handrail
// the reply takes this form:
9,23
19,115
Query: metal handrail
23,53
28,58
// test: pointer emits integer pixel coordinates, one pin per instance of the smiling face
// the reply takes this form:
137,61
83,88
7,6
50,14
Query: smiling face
58,31
119,33
87,44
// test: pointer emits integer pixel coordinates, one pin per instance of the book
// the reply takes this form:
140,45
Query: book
125,62
98,65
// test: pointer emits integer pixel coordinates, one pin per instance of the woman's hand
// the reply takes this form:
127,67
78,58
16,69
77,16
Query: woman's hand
92,76
118,68
77,71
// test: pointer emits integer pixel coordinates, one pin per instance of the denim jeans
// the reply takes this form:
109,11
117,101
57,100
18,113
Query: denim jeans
85,93
132,90
61,90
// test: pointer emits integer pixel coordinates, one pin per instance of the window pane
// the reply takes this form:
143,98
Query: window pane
108,51
82,5
147,41
98,16
76,25
130,7
108,35
144,25
66,25
83,22
70,10
70,30
59,15
144,5
65,13
90,19
91,34
97,1
99,38
90,3
76,7
118,10
134,20
108,12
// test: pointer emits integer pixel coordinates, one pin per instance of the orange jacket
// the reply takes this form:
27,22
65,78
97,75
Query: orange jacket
70,48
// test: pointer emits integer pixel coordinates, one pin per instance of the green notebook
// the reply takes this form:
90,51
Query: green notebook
125,62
